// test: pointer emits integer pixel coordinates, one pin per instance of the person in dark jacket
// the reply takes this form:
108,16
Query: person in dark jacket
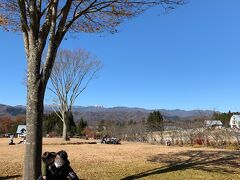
61,169
47,160
55,166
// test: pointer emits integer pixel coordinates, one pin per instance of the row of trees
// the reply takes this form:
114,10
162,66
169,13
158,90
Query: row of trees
149,130
9,125
53,126
183,132
220,138
132,130
224,117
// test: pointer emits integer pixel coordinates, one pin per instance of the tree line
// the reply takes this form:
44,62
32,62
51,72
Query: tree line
224,117
153,129
52,125
9,124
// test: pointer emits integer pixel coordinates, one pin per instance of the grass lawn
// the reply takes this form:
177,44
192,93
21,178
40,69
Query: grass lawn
130,161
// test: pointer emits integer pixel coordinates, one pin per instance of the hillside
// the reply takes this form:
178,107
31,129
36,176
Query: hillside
93,113
6,110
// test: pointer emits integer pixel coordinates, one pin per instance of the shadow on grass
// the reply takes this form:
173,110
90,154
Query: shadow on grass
210,161
9,177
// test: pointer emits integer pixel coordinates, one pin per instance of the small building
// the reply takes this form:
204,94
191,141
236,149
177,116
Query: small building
235,121
215,124
21,131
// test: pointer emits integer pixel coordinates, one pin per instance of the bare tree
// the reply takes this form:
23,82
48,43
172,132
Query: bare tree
71,74
44,23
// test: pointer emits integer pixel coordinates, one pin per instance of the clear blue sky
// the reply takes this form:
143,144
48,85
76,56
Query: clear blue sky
187,59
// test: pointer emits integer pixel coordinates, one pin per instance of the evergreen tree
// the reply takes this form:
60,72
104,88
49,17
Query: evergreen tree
81,126
53,123
101,126
72,129
155,121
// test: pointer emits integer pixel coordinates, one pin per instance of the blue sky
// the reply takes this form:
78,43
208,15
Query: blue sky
187,59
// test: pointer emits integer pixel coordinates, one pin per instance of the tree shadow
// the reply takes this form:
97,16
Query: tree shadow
211,161
9,177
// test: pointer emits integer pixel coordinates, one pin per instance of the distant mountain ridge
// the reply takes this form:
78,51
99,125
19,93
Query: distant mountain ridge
6,110
93,113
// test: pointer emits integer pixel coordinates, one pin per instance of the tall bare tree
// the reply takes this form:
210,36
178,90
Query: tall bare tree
44,23
71,74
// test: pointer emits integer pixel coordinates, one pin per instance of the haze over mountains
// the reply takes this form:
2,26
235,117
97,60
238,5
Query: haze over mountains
96,113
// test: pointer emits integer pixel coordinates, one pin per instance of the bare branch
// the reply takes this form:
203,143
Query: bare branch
71,75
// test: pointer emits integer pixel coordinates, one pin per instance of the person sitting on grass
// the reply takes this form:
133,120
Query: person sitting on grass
57,167
11,140
47,160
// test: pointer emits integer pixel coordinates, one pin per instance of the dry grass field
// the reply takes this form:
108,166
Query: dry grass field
130,161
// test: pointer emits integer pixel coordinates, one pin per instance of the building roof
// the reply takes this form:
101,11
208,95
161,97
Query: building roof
236,117
20,129
210,123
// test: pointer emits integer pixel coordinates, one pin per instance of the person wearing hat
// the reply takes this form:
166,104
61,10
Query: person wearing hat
61,169
47,160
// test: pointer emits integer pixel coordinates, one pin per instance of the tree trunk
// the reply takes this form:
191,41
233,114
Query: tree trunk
35,96
65,127
33,148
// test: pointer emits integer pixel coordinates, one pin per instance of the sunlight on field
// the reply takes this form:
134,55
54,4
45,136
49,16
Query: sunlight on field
130,161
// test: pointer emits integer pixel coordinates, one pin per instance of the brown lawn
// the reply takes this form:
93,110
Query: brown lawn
130,161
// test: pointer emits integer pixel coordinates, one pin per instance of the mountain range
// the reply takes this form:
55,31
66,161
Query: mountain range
96,113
